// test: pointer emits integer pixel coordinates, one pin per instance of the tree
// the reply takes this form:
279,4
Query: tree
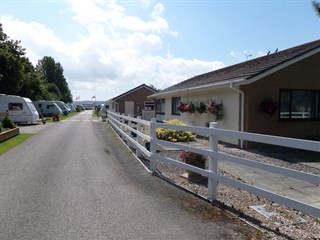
11,64
56,83
154,87
316,6
17,74
19,77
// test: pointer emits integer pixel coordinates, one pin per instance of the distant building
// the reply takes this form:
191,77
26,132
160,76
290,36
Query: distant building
133,101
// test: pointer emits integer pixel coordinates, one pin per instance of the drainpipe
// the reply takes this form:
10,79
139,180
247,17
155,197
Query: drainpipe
241,111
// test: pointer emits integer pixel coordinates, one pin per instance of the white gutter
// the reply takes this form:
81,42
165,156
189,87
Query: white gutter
241,111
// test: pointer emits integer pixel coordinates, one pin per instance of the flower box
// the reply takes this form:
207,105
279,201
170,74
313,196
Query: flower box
9,134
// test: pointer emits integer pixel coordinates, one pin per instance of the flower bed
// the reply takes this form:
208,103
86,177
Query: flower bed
9,134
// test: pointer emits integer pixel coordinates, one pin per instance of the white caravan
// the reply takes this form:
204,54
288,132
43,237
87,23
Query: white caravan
47,108
18,109
72,107
63,107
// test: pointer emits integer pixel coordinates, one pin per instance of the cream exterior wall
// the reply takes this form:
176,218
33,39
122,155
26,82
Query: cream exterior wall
231,109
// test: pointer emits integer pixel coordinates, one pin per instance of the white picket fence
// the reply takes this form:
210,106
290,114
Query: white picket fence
123,126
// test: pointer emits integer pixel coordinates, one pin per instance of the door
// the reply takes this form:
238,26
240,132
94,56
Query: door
129,107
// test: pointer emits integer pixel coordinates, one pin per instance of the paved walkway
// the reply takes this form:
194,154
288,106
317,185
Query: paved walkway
297,189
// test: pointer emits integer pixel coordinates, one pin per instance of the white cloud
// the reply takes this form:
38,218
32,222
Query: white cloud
144,3
36,38
114,53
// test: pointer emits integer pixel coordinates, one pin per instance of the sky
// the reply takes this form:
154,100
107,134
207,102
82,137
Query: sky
109,47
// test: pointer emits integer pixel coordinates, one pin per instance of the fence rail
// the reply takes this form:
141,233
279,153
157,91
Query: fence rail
126,125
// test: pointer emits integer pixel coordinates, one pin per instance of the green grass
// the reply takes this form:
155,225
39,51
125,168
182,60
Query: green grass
12,142
49,119
94,114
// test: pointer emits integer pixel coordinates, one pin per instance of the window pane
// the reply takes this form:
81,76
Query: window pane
302,104
15,106
160,106
175,105
285,104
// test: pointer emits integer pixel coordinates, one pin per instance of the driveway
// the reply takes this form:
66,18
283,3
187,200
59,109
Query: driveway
76,180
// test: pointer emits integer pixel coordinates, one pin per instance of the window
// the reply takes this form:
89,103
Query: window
160,107
50,106
299,104
175,103
15,106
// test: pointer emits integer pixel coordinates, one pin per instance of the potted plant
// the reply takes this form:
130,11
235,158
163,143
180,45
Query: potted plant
192,108
215,108
193,159
183,107
200,107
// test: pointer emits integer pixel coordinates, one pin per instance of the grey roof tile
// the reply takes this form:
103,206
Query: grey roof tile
247,69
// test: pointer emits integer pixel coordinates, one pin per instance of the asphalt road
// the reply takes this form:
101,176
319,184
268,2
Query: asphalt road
76,180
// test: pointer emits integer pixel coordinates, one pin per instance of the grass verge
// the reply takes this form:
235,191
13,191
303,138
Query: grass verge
50,120
12,142
94,114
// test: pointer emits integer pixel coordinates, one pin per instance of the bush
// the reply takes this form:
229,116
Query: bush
194,159
175,135
7,123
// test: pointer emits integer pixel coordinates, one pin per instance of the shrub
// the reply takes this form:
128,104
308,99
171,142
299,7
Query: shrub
7,123
193,158
175,135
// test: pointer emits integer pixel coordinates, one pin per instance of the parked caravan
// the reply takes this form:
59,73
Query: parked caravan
18,109
63,107
72,107
47,108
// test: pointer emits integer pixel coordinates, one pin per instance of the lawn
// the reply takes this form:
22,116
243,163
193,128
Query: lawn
12,142
49,119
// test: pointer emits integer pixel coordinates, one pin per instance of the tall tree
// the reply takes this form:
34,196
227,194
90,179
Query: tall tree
316,7
18,76
32,84
56,82
11,64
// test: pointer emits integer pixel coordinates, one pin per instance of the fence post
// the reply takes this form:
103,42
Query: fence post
129,132
153,135
138,139
118,117
213,164
123,121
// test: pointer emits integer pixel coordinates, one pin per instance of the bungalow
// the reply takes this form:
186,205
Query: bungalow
133,101
277,94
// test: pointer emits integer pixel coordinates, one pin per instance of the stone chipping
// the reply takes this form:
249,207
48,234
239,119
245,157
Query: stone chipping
283,222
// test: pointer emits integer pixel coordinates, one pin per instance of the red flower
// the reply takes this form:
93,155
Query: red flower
192,158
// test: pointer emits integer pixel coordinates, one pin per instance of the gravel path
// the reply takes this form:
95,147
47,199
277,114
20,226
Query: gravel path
285,224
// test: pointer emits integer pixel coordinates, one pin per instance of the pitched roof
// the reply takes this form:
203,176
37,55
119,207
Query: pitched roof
245,71
135,89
